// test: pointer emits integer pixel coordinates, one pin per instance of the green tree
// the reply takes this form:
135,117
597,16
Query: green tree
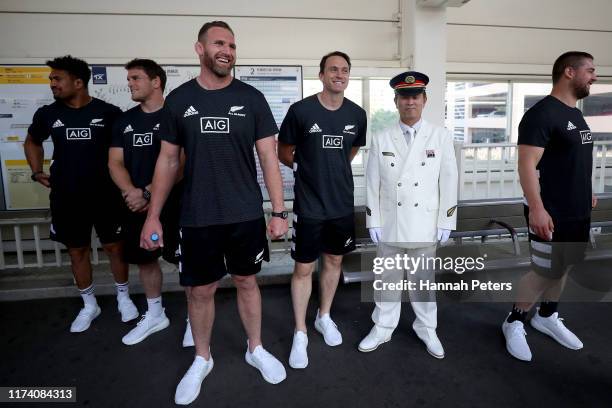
382,119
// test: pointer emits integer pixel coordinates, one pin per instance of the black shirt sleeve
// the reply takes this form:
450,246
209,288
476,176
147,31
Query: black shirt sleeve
360,140
290,130
534,129
39,129
113,113
265,125
169,126
117,134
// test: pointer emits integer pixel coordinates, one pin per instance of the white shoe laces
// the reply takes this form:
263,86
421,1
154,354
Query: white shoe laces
327,322
193,369
517,330
263,356
299,340
83,314
142,319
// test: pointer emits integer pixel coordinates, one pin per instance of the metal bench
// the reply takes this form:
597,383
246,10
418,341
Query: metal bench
483,219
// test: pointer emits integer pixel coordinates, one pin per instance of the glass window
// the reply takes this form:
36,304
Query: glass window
479,108
479,135
524,96
597,110
354,90
383,112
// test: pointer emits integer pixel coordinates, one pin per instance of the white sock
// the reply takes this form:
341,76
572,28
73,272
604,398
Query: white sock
122,290
155,306
89,298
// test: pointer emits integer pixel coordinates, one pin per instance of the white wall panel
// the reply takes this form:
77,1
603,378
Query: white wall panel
172,37
338,9
489,48
569,14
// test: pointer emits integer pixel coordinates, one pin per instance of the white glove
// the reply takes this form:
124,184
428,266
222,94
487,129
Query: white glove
443,235
375,234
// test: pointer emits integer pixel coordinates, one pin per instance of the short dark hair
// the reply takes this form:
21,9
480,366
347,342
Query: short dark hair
572,59
150,67
211,24
333,54
73,66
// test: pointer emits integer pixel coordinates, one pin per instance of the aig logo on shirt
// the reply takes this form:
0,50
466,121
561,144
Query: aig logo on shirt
78,133
586,136
332,142
212,124
143,139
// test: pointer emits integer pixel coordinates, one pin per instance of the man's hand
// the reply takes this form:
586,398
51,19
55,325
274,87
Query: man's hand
150,227
443,235
43,178
375,234
593,201
134,199
277,227
541,223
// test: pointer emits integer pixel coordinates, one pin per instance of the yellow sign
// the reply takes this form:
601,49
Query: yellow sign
24,75
21,191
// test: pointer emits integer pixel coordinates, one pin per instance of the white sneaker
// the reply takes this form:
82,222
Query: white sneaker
188,336
84,319
554,327
271,369
298,357
127,308
516,341
148,325
326,326
189,387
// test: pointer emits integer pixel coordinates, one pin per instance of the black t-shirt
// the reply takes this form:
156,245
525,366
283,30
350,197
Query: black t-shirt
81,138
218,130
566,165
322,164
137,133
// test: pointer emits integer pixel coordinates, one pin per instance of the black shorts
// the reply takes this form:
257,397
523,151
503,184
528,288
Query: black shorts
73,217
312,237
132,227
132,252
207,254
567,247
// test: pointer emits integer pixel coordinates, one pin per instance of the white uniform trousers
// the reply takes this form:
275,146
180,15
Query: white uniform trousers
389,302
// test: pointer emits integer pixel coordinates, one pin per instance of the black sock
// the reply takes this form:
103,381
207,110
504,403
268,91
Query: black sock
517,314
548,308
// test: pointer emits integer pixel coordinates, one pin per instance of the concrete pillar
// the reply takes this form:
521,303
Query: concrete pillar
423,49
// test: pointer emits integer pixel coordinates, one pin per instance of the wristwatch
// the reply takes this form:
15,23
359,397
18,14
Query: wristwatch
36,173
146,194
282,214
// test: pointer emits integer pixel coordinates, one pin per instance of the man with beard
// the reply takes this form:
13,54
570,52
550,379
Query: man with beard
132,158
82,192
318,139
218,120
555,164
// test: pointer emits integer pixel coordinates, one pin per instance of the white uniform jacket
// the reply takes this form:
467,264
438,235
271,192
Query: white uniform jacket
412,190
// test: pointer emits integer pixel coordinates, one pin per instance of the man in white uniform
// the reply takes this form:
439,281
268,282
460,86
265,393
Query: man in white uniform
411,205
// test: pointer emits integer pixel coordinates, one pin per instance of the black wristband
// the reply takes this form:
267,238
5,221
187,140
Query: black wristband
36,173
282,214
146,194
